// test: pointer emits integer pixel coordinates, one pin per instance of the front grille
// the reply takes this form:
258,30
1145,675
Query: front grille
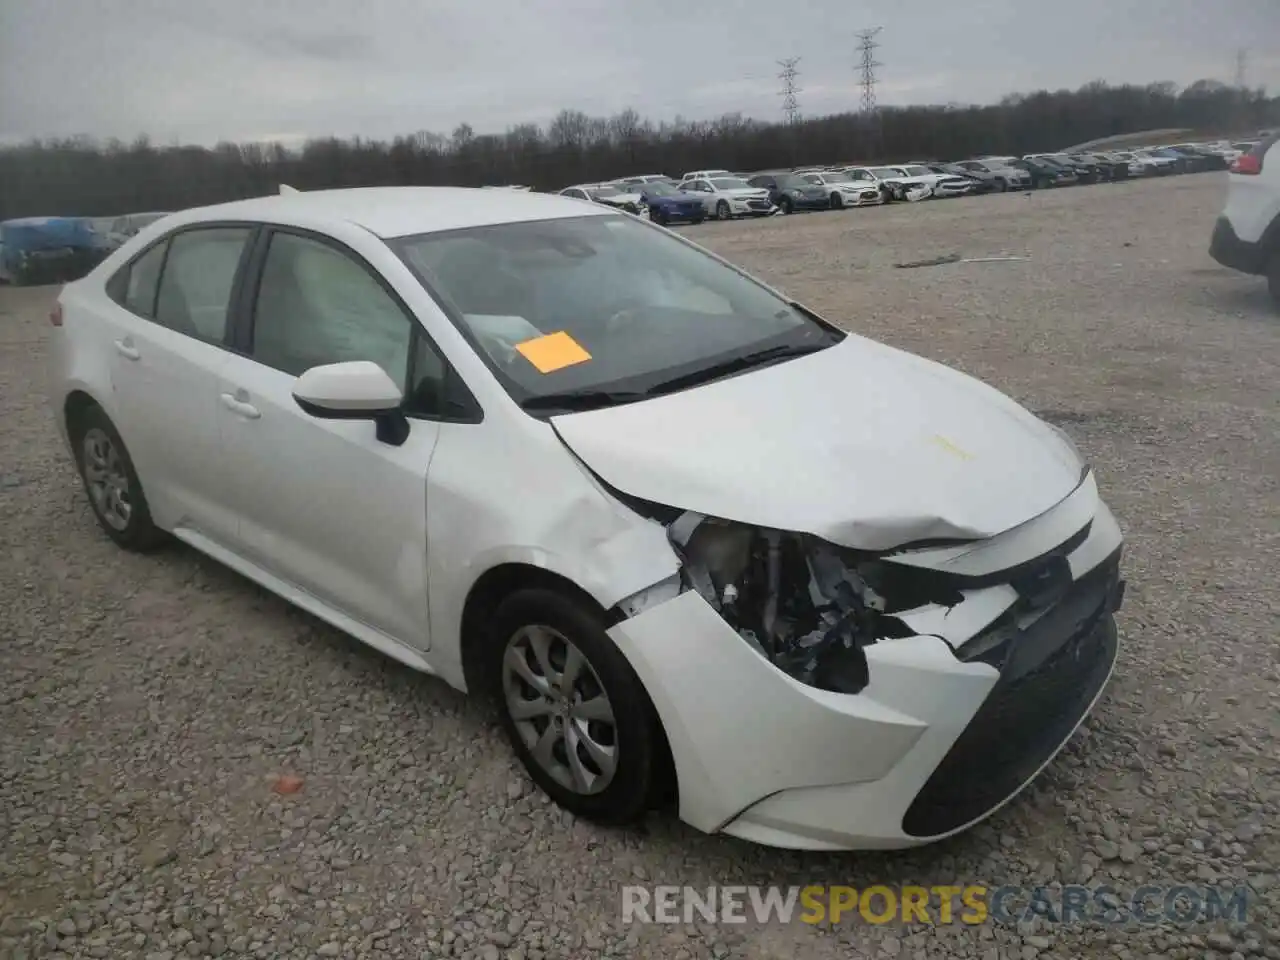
758,204
1050,672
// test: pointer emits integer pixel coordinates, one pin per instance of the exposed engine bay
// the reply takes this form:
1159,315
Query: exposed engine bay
805,605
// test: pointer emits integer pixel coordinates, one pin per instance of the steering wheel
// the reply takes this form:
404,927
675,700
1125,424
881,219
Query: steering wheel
626,311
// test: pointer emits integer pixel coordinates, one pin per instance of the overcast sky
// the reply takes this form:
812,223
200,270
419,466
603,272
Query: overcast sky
203,70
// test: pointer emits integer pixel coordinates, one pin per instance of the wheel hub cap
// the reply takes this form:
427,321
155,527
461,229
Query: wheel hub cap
106,479
560,709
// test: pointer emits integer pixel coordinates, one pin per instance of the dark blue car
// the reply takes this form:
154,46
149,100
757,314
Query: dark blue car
669,205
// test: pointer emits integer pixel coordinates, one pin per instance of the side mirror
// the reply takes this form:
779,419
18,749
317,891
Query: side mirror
354,390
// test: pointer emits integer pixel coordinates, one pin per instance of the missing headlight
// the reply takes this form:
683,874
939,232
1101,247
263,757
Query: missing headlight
805,605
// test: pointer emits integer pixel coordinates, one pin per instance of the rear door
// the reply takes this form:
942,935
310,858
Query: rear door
170,334
325,505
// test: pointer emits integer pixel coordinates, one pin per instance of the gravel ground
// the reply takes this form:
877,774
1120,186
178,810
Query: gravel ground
149,705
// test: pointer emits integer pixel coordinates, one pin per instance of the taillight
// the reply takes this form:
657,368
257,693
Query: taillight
1248,164
55,315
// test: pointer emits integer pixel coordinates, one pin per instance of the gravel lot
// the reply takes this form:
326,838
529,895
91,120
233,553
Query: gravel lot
149,704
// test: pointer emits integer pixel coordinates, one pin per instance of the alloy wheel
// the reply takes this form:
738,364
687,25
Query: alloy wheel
106,478
560,709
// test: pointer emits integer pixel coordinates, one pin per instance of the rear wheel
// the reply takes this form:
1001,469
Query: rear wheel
111,482
575,712
722,210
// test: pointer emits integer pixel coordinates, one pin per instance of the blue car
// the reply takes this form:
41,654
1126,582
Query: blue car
669,205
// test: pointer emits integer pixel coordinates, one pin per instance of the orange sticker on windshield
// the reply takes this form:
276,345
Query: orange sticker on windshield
553,352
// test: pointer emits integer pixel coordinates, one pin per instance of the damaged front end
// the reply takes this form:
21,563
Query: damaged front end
808,607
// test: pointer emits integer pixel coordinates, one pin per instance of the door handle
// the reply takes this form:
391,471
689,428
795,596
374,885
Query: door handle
242,407
126,348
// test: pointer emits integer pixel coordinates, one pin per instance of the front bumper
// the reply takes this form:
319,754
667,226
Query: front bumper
932,745
869,197
1232,252
751,207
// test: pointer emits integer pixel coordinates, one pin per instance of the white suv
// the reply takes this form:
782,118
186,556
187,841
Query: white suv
1247,234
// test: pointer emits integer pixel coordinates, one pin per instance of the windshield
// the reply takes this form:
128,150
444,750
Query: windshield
917,171
884,173
729,183
604,190
837,178
599,303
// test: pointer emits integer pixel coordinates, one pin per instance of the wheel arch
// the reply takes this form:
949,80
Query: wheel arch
74,405
501,581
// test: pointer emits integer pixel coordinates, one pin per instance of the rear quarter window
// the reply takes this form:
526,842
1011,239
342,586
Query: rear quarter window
134,285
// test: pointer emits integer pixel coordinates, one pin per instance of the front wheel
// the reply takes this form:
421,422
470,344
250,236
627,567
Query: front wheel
657,216
836,201
1002,185
572,707
786,206
722,210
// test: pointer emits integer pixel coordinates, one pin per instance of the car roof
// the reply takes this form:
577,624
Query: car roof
397,211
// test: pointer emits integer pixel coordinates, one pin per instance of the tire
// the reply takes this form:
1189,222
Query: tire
537,626
722,210
1002,185
1273,278
698,218
837,202
786,206
109,477
657,216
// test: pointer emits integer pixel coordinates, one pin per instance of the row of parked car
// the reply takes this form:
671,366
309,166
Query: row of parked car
36,250
724,195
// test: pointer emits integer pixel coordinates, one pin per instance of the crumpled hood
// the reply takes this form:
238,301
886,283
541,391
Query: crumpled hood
861,444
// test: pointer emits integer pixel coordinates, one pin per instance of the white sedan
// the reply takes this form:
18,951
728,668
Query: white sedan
728,197
845,191
681,530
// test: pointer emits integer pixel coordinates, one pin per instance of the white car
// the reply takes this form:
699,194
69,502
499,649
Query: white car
728,197
845,191
1246,236
1159,164
671,522
611,195
642,179
941,184
896,183
706,174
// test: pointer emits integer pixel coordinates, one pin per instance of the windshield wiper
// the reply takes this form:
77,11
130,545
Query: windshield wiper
574,401
746,361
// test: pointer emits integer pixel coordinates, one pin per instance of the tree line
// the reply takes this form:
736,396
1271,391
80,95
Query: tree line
84,177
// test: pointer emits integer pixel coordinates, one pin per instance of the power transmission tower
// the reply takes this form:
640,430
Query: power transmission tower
867,45
1242,68
790,106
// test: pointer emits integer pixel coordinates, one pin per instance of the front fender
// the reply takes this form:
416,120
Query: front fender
508,491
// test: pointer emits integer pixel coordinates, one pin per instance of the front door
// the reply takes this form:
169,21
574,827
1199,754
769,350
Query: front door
325,505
